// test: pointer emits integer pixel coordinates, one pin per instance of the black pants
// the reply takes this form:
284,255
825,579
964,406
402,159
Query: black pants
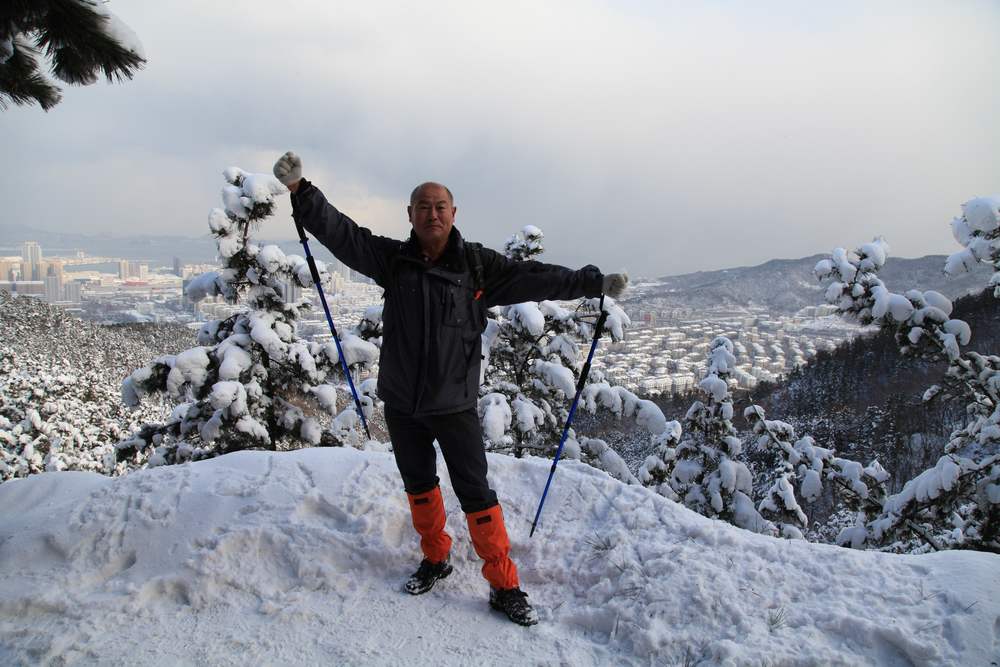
461,440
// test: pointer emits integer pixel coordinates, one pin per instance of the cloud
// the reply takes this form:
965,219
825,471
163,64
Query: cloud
659,137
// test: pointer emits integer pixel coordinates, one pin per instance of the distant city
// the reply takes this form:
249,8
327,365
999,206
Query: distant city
665,350
663,353
112,290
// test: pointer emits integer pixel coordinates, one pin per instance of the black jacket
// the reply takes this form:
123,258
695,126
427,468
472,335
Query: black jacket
431,349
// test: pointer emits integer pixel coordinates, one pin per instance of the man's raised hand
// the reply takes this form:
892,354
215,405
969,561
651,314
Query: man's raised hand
288,170
614,284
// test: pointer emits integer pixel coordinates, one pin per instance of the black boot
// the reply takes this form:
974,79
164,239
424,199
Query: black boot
423,579
514,603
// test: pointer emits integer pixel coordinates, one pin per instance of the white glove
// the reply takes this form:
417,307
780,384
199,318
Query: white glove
288,168
614,284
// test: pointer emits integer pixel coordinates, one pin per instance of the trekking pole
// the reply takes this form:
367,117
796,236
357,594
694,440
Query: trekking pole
329,320
598,330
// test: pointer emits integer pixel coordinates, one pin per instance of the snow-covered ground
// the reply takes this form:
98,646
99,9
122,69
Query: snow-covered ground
299,558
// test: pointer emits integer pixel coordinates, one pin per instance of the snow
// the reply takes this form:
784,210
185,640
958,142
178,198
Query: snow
270,258
299,558
960,262
190,367
556,375
218,222
938,300
526,415
927,485
326,395
895,305
982,214
714,386
358,350
959,329
205,285
235,359
875,254
528,316
495,415
119,31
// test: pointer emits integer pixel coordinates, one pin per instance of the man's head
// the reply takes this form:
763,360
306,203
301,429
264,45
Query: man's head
432,214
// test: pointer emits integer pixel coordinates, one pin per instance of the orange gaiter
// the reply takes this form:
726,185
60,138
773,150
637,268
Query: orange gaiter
427,510
489,537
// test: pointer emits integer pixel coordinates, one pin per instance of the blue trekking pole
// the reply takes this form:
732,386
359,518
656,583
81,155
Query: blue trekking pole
598,330
329,320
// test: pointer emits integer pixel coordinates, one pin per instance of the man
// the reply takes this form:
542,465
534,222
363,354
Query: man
437,289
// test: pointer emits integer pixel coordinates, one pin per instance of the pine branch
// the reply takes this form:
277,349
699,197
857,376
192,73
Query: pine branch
22,82
923,534
75,38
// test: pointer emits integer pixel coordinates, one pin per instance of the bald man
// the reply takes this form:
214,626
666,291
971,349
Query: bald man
437,289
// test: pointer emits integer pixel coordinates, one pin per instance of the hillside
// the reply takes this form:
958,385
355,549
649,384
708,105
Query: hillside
299,557
784,286
60,379
865,399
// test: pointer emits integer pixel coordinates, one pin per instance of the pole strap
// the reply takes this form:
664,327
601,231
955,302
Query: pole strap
584,373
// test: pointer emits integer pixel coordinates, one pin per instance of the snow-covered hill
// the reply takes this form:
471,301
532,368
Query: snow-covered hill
60,379
784,286
299,558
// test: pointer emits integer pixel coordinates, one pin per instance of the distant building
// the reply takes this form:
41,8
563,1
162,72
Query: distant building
178,267
130,269
31,261
34,288
53,285
71,292
10,270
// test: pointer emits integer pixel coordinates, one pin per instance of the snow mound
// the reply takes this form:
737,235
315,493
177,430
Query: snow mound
299,558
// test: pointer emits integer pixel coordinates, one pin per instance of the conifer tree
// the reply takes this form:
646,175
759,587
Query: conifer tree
955,503
251,382
78,39
703,470
802,467
532,362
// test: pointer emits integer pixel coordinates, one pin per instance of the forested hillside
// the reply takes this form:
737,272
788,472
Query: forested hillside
865,399
60,379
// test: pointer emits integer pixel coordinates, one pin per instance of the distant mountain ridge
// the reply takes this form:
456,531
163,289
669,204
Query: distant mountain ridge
784,286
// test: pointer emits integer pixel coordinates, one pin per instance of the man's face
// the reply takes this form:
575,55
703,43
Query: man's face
432,216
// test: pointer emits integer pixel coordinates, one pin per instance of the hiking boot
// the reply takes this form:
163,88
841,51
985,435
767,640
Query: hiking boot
514,603
426,575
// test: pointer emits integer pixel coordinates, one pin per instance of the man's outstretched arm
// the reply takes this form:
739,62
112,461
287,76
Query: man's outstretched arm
352,244
508,281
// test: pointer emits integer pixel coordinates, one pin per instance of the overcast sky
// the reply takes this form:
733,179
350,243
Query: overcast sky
658,137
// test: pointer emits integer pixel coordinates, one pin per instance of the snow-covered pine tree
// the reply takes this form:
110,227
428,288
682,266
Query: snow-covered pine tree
801,468
251,382
703,470
532,361
976,229
81,38
956,503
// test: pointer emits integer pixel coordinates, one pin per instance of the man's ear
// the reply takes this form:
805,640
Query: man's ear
409,213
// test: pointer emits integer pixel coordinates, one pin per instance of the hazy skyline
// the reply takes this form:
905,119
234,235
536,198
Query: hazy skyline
657,138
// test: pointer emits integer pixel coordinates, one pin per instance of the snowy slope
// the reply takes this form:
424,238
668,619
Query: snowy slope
299,557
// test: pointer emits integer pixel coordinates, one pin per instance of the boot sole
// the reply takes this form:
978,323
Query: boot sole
444,574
